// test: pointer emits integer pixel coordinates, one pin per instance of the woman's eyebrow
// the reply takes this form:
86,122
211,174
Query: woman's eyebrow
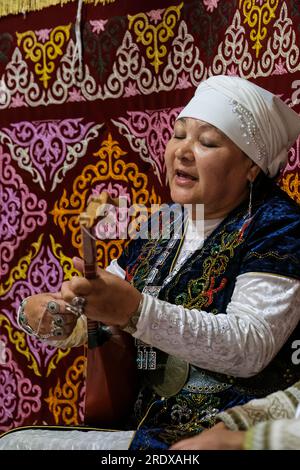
204,127
209,127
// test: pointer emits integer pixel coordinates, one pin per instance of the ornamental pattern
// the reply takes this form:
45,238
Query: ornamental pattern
148,133
18,398
49,149
71,128
63,398
21,211
110,164
258,15
155,36
42,48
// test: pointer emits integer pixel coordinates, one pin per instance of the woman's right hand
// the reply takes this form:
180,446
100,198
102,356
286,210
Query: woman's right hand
50,326
215,438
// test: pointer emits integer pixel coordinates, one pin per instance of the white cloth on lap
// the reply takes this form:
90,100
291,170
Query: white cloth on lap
51,439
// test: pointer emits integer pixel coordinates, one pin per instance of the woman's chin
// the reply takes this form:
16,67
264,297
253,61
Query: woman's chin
182,196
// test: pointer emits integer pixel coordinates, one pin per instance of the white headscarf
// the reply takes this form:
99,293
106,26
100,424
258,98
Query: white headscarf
257,121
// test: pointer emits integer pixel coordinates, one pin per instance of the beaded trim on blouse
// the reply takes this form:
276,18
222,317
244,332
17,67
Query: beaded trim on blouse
249,128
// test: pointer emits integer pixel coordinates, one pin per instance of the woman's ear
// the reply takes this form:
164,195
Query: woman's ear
253,172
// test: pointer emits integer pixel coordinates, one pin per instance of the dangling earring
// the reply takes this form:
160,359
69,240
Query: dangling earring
247,218
250,200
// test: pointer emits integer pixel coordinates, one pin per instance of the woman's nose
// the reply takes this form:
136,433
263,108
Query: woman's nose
184,152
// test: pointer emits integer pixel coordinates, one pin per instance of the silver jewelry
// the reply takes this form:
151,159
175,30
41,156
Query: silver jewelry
73,310
22,319
78,302
53,307
55,331
58,320
24,325
146,355
250,201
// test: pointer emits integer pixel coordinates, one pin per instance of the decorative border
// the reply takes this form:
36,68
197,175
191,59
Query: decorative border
8,7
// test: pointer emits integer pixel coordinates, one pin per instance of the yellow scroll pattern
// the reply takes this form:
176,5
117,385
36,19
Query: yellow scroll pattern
18,339
63,399
20,271
44,54
154,36
258,15
291,184
65,261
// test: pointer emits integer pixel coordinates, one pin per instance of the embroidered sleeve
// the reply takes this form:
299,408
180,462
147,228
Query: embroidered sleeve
274,435
276,406
263,312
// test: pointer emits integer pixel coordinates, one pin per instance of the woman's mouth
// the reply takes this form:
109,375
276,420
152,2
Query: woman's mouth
183,178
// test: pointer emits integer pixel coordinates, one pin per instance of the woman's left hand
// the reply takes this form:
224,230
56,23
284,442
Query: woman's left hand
109,299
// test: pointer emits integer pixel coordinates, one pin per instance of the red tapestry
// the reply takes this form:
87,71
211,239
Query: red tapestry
70,128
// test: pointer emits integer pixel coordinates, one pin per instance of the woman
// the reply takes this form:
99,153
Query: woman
216,311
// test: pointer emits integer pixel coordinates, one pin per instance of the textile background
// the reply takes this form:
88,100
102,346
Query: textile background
70,128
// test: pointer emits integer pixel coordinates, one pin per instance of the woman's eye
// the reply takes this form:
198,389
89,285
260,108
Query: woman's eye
207,143
178,136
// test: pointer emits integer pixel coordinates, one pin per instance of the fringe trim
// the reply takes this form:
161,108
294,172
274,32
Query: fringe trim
14,7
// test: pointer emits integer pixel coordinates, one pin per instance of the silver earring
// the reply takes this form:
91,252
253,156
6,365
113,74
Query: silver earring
250,200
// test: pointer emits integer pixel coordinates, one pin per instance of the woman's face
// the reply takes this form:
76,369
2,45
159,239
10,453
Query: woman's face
206,167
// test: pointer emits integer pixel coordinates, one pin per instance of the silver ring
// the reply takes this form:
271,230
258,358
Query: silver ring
73,310
78,302
53,307
57,331
58,320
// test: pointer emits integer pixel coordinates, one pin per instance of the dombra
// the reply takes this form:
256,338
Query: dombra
111,375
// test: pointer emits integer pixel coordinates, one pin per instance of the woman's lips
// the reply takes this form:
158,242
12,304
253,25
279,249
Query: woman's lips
182,178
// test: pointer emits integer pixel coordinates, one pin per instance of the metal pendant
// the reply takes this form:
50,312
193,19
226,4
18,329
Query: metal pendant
146,356
152,290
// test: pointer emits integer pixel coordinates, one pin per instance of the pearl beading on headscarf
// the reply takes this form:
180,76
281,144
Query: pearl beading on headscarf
249,128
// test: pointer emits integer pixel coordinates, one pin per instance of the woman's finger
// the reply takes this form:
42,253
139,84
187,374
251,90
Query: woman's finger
74,293
67,292
78,264
81,286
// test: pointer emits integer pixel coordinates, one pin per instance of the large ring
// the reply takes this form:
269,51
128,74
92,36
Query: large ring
53,307
57,331
78,302
58,320
73,310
